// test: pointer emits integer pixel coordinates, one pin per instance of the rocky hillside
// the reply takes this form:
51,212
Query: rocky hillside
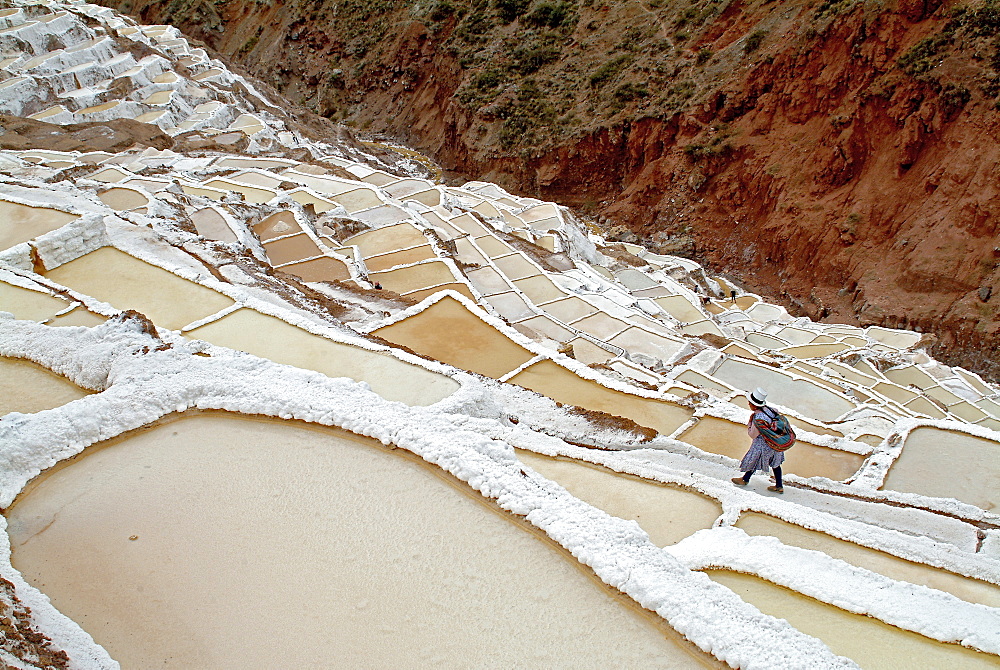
840,155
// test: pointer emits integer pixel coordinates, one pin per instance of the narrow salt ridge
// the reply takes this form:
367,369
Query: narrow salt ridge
673,467
143,387
933,613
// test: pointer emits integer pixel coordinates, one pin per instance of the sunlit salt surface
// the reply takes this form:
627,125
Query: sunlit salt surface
27,304
223,542
448,332
288,249
27,387
404,257
680,308
20,223
209,223
319,269
807,460
899,569
948,464
867,641
414,277
667,513
560,384
122,199
128,283
539,289
803,396
268,337
387,239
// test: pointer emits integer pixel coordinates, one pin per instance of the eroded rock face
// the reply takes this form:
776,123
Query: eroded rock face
839,158
21,133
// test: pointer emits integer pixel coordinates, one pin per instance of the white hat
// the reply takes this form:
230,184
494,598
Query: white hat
758,397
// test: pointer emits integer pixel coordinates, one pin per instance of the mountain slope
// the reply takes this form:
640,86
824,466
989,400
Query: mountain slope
838,155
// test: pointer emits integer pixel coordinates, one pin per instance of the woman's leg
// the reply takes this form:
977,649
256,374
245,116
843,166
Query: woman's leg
777,476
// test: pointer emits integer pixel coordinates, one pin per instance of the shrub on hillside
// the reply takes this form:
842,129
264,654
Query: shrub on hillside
487,79
629,92
441,10
754,41
509,10
923,55
475,26
610,70
530,58
530,110
550,14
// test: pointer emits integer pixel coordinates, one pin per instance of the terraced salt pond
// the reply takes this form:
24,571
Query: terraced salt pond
667,513
868,642
20,223
27,387
123,199
560,384
129,283
807,460
949,464
268,337
218,541
450,333
27,304
972,590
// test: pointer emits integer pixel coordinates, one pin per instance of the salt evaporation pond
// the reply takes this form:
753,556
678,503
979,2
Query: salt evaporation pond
871,644
667,513
806,460
974,478
20,223
224,541
27,387
972,590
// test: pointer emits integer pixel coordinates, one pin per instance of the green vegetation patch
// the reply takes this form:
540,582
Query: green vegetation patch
754,40
531,57
551,14
510,10
610,70
522,117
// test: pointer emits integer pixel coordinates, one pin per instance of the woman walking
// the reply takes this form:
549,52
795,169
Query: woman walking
761,456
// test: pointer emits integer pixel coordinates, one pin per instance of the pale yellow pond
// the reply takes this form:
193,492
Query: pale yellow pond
972,590
222,542
27,387
129,283
448,332
560,384
20,223
269,337
667,513
868,642
948,464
